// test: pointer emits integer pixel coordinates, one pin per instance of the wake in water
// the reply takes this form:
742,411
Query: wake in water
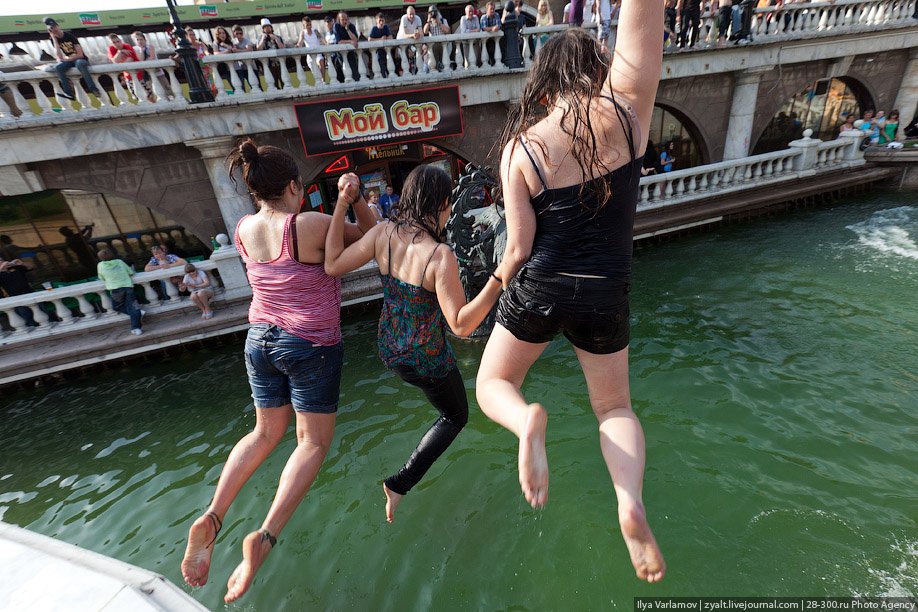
893,231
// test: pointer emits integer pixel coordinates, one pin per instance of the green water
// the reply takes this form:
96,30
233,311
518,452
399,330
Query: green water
774,367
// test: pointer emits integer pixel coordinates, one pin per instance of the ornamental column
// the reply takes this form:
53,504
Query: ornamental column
742,113
907,99
233,205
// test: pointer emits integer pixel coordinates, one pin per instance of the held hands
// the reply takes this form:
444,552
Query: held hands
348,189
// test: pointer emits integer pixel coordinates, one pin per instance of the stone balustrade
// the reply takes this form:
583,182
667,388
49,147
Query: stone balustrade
804,158
247,77
93,306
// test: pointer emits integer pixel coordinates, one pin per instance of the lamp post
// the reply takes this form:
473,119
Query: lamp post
511,28
198,89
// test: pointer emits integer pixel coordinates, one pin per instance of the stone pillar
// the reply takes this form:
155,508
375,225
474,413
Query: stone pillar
233,205
806,161
907,99
232,272
742,113
854,156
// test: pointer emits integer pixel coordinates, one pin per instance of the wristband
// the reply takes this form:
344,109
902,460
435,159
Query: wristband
495,277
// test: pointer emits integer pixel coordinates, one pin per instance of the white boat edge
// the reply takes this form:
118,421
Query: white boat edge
138,586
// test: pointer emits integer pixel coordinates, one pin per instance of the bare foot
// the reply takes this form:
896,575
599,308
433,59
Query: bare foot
255,547
392,501
645,554
533,463
201,536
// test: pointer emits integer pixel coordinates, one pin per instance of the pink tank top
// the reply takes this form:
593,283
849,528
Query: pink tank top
299,298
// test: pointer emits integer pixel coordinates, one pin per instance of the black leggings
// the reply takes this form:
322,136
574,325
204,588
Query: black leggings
449,397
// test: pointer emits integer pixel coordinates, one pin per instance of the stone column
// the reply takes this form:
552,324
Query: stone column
907,99
233,204
742,113
232,272
805,163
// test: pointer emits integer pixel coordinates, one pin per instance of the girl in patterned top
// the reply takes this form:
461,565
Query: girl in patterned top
422,294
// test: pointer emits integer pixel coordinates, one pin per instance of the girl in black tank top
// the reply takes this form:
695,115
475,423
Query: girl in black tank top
569,252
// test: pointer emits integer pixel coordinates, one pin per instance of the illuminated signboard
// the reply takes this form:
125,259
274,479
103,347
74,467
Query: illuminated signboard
346,124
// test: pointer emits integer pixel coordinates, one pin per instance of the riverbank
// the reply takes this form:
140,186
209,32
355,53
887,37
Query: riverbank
49,358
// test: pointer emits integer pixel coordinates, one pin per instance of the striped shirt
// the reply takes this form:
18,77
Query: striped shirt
299,298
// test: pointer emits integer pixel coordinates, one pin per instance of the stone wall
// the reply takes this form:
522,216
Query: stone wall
170,180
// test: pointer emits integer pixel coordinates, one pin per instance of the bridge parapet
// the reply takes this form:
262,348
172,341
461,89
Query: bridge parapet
473,55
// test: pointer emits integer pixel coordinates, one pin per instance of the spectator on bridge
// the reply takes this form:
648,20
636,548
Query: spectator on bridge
162,259
309,39
329,30
346,32
869,126
117,278
223,45
375,208
890,130
517,12
70,53
293,352
848,124
689,21
241,44
666,156
569,199
381,31
603,12
575,13
669,22
198,284
436,26
145,53
120,52
469,24
490,22
202,50
6,94
388,200
270,40
410,26
13,282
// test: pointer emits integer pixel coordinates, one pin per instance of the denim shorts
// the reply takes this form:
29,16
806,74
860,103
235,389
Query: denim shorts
286,369
591,312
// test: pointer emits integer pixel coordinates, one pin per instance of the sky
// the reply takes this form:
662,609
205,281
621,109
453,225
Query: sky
48,7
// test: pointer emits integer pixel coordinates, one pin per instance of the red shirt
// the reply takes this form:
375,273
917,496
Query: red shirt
128,51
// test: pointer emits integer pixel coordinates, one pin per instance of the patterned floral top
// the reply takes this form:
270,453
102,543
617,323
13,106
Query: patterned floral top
412,331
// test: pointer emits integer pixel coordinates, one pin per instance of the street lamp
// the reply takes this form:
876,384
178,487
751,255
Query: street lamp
198,89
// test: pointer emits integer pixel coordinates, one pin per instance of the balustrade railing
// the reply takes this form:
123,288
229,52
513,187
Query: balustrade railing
88,304
725,177
260,75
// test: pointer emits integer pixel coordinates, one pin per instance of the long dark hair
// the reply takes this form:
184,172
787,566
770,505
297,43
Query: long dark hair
569,68
423,194
266,170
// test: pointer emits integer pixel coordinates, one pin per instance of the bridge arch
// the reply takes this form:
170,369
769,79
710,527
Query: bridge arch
820,105
673,122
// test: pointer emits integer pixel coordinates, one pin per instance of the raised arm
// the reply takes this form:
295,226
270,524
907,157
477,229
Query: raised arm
638,60
463,318
338,259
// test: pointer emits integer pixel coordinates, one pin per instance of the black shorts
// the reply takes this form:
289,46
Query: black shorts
592,312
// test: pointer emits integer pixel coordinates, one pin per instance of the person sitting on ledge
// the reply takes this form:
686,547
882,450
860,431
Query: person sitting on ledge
160,260
68,50
197,282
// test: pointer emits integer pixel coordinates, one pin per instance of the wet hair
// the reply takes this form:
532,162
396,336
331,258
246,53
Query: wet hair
105,255
189,268
266,170
423,194
551,80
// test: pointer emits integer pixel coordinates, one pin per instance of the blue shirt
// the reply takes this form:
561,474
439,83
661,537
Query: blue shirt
387,201
489,22
341,34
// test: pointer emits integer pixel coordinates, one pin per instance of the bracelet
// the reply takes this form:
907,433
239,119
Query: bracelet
495,277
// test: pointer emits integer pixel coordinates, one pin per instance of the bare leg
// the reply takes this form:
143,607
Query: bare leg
314,434
621,440
196,298
503,368
249,453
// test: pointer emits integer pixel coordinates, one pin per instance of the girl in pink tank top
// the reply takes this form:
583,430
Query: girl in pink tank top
293,353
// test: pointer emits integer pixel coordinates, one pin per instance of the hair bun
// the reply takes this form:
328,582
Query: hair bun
248,151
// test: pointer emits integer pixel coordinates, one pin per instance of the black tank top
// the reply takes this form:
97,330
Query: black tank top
575,236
